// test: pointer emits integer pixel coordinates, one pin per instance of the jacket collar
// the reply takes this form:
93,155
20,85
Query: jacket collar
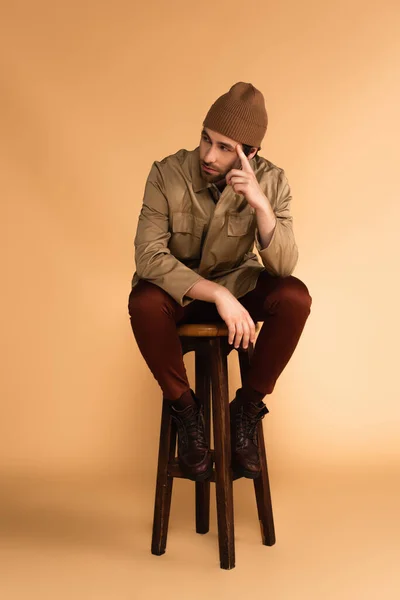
198,182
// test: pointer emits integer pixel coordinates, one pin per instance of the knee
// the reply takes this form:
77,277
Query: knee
293,295
147,300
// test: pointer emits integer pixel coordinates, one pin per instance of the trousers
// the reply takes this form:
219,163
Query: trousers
283,304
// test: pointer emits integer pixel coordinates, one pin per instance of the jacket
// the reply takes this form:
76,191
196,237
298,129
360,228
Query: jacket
186,233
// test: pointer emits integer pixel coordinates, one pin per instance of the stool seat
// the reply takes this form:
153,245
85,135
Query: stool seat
218,329
203,330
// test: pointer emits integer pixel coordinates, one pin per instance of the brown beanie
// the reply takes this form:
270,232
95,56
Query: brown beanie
239,114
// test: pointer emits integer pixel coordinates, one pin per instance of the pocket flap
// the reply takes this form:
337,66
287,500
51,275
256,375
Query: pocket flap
187,223
239,224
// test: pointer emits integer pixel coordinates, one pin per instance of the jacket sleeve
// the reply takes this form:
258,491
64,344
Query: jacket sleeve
281,255
154,261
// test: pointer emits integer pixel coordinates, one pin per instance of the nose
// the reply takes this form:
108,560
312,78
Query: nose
210,156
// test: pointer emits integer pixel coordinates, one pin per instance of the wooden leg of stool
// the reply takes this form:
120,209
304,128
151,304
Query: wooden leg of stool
261,484
163,494
222,447
263,495
203,487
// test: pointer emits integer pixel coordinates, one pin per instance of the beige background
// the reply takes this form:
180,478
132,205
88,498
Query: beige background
91,95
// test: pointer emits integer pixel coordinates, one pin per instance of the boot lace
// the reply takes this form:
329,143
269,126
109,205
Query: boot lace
191,428
246,426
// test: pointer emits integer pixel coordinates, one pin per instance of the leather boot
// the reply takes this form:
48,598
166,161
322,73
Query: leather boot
244,418
194,455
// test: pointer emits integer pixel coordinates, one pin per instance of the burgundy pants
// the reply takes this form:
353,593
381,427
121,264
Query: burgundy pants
282,303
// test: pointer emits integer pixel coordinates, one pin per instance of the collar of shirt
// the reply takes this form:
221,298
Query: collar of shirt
214,192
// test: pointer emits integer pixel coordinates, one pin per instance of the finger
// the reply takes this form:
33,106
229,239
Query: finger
233,173
246,166
239,334
232,331
239,188
246,335
252,330
238,179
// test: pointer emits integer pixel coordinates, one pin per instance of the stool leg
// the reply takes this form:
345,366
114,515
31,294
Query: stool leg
202,376
263,495
261,483
222,447
163,494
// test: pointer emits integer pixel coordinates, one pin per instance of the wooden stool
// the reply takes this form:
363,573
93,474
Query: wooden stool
210,344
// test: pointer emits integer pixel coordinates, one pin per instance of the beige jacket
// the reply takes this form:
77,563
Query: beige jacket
183,235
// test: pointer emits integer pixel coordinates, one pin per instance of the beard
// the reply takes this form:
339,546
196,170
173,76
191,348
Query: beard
212,177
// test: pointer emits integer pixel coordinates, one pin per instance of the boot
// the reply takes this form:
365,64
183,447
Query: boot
194,455
244,418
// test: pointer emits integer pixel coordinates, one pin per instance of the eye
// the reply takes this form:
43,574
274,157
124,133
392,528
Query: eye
203,137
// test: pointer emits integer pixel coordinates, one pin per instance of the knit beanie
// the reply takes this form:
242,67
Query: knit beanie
239,114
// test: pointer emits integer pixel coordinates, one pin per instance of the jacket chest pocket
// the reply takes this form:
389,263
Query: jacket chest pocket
240,235
187,233
239,225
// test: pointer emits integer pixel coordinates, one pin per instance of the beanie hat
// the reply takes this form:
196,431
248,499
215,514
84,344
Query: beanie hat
239,114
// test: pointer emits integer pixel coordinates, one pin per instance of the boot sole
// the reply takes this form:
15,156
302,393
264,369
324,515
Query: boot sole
201,477
244,473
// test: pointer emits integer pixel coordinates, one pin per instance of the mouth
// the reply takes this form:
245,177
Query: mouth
208,170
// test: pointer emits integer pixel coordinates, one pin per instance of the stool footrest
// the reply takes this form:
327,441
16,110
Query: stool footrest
174,470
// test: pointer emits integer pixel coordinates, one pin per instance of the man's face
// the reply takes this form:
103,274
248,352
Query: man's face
218,152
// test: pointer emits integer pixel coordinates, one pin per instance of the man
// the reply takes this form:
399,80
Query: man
203,211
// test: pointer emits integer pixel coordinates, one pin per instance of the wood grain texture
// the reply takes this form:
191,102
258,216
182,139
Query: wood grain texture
261,483
205,330
222,449
203,389
162,503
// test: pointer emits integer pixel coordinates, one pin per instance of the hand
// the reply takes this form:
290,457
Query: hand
240,324
244,181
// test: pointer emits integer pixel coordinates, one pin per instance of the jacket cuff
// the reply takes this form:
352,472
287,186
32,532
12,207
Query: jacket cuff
182,282
184,300
280,256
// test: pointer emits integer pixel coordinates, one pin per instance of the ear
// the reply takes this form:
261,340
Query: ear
252,153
